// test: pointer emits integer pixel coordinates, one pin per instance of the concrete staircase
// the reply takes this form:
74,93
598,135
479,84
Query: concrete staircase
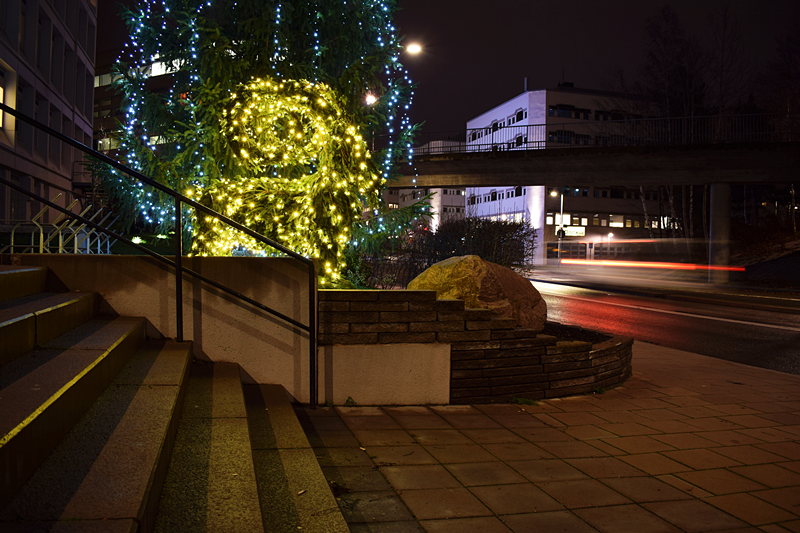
102,429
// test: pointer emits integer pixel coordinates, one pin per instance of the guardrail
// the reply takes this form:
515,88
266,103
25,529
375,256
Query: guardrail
180,199
719,129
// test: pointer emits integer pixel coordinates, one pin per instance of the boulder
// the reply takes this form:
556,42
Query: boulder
482,284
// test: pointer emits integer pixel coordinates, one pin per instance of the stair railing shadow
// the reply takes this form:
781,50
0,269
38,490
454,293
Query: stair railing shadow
180,200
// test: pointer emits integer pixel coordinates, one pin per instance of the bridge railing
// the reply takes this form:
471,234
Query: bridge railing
720,129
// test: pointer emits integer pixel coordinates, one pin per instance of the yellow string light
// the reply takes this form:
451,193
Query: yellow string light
298,149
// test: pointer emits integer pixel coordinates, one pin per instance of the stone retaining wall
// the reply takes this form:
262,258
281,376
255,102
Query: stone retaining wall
491,360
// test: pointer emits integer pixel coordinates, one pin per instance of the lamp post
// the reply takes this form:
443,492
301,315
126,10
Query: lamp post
560,231
608,244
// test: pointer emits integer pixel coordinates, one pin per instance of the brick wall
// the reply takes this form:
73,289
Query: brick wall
491,359
518,364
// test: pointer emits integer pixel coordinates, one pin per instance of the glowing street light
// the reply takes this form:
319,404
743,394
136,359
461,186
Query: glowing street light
370,99
413,48
608,244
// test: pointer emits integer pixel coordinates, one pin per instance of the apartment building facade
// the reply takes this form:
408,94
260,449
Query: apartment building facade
594,217
47,56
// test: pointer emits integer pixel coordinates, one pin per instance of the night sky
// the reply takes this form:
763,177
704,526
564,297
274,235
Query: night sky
477,53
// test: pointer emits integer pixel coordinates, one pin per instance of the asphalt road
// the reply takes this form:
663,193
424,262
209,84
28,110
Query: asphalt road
766,339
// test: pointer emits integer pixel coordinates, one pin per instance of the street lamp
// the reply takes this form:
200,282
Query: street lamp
608,244
560,231
414,48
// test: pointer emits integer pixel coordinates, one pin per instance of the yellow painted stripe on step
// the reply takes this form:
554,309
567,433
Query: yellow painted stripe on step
22,425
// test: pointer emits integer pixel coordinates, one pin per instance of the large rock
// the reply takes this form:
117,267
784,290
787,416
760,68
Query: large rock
486,285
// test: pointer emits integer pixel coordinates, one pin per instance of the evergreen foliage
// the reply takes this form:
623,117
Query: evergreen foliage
264,120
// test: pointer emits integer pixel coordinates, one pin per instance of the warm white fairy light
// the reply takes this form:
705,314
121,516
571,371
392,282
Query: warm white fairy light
184,162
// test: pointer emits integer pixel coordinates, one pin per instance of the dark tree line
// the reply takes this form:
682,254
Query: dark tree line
684,76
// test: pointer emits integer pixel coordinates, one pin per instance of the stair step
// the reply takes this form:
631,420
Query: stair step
294,492
211,484
37,318
45,391
17,281
109,470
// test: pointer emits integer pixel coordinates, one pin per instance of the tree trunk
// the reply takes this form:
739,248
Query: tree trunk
691,211
672,214
646,215
705,217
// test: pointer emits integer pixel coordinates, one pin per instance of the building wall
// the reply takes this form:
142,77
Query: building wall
47,53
595,211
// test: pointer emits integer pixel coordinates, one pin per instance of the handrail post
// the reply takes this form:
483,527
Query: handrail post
312,334
178,271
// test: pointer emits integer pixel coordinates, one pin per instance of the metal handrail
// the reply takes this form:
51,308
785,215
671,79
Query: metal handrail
573,133
311,328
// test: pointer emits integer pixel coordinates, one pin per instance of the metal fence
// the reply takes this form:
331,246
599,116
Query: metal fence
721,129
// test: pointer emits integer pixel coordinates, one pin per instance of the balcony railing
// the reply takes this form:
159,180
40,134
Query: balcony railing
721,129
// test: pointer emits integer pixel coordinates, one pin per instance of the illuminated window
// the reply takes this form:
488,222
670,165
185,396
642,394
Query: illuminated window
107,144
616,221
584,221
603,222
548,220
628,223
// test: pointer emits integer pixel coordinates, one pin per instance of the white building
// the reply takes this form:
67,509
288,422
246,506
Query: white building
547,119
47,55
445,203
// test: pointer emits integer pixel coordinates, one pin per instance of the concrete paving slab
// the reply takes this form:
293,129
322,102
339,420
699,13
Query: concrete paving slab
16,281
74,526
103,467
214,390
701,445
40,428
211,485
107,466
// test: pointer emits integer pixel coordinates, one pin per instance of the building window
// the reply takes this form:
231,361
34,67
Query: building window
585,192
584,221
616,221
604,194
548,220
596,220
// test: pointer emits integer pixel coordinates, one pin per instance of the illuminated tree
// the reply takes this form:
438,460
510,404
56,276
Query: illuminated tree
264,119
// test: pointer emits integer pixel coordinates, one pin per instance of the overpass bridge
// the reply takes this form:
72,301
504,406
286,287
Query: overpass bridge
714,150
761,148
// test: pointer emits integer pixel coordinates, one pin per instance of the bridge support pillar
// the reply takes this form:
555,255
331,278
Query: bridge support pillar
719,249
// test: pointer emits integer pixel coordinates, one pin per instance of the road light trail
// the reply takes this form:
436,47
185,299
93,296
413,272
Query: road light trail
680,313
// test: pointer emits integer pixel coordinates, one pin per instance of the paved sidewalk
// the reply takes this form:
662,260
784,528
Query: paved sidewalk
689,443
